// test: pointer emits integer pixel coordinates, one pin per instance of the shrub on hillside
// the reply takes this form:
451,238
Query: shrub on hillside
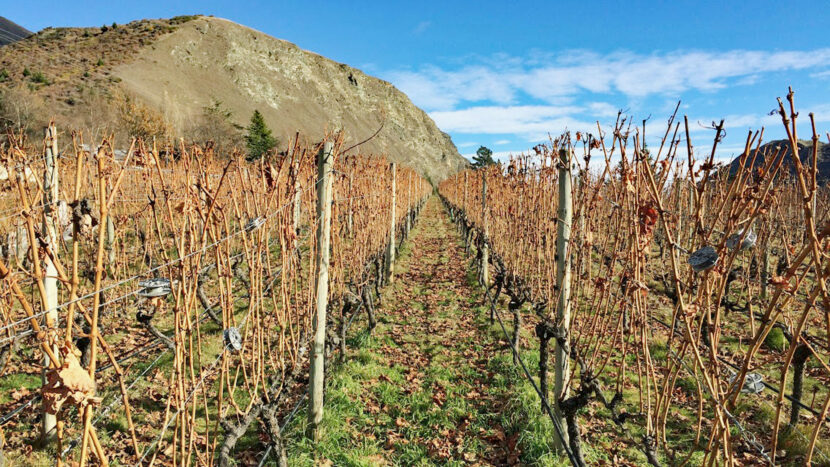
39,78
215,127
140,120
21,109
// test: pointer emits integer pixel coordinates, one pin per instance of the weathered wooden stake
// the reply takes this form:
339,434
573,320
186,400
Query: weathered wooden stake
316,373
764,270
691,221
408,202
563,278
464,207
390,254
485,247
298,200
50,281
350,221
678,208
111,243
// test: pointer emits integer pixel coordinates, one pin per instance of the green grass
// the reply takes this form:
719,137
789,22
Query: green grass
17,382
375,414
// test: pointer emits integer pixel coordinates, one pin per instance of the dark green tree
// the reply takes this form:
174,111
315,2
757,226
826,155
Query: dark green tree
259,137
483,158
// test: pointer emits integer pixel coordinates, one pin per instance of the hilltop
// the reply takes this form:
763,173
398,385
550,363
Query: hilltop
169,73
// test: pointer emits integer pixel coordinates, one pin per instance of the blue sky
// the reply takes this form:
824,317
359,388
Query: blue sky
504,74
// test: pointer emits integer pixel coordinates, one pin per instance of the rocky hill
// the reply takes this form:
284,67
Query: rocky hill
805,152
171,72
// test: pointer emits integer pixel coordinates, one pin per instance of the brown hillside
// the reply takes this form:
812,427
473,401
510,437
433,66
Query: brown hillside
180,66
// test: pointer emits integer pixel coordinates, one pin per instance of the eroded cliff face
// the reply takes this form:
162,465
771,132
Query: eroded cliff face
210,59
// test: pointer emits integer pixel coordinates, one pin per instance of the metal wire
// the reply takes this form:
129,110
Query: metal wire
557,426
747,435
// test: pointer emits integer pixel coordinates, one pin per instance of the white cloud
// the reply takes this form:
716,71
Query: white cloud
551,78
467,144
603,109
533,122
755,121
502,142
436,89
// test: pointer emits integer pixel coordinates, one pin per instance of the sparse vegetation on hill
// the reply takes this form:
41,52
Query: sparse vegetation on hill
216,126
77,59
140,120
176,68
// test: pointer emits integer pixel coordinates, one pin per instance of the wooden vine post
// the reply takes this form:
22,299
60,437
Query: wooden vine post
350,219
485,247
317,366
563,278
390,254
464,203
464,207
298,199
765,269
408,203
50,279
111,244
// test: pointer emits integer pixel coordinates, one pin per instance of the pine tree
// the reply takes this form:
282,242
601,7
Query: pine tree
483,158
259,137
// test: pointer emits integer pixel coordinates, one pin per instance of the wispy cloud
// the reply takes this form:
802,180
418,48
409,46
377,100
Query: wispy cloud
531,122
435,89
517,101
421,27
820,111
565,75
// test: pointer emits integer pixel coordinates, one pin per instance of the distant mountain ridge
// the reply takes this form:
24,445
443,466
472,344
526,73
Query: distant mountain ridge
180,66
12,32
805,152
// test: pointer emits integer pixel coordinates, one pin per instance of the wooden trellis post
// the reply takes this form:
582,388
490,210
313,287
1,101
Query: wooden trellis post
408,202
678,207
317,365
765,268
468,233
691,221
485,247
563,278
350,220
50,280
390,254
110,243
298,199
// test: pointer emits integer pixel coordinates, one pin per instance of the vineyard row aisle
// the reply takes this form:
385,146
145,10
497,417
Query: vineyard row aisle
432,384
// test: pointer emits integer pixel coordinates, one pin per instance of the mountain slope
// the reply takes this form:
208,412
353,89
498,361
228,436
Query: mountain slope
11,31
178,67
805,152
